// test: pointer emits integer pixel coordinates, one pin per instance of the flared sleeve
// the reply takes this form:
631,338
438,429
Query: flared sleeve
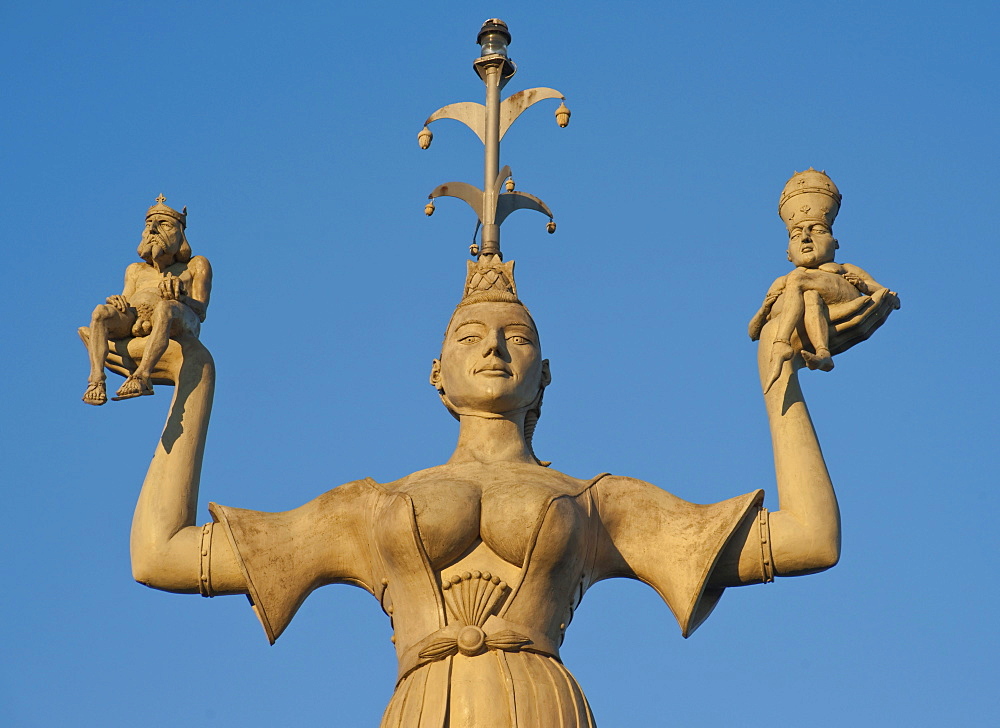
285,556
667,542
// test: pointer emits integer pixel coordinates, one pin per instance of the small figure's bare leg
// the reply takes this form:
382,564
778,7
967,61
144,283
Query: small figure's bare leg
98,349
792,311
96,394
821,360
105,322
817,323
133,386
164,319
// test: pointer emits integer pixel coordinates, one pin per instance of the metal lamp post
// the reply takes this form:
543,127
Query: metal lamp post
490,122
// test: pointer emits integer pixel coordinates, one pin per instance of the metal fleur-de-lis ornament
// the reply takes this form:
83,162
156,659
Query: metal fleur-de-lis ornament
490,122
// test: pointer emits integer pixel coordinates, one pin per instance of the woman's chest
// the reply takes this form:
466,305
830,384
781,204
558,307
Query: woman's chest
452,518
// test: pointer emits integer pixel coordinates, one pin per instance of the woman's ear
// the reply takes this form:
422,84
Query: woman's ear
546,373
435,377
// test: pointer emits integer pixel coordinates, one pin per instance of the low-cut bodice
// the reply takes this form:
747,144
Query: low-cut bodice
480,571
474,547
455,507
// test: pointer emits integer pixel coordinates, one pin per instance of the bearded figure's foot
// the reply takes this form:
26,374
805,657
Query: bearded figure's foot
820,360
134,386
96,394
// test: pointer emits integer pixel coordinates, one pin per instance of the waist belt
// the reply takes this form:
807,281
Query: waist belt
470,640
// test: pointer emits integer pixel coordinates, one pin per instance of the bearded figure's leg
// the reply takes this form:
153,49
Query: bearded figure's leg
817,323
107,322
167,320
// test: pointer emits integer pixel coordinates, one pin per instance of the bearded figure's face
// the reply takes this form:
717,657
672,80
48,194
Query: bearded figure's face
161,238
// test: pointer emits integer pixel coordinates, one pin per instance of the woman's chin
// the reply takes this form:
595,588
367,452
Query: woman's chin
495,406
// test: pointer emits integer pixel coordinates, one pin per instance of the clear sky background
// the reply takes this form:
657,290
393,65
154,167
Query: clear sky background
289,131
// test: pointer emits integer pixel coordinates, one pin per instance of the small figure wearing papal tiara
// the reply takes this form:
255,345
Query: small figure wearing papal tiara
819,294
165,297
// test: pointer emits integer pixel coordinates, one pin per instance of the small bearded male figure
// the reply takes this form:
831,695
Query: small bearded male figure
819,293
165,297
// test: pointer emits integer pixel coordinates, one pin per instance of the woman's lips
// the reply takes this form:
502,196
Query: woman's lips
494,372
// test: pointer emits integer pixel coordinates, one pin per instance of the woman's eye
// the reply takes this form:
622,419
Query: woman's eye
519,340
471,339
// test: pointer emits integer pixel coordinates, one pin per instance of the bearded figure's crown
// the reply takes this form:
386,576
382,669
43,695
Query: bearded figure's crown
161,209
810,194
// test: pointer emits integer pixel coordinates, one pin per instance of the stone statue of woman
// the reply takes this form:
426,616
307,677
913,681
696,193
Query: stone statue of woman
481,562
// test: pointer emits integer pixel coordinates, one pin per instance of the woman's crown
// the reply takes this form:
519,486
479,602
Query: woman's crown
489,279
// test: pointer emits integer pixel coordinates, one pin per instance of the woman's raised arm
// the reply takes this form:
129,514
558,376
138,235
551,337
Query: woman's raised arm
803,535
805,530
166,544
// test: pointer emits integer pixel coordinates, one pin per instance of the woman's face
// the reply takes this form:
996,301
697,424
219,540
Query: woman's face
491,360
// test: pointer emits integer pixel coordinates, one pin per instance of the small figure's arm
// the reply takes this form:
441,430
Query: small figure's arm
201,286
760,318
856,273
194,295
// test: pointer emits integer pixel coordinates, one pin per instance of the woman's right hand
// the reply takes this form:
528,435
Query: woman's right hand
125,354
857,326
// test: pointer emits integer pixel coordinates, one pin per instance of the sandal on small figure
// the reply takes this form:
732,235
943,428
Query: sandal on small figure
133,386
96,394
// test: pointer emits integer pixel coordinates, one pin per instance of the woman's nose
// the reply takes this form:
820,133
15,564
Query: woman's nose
493,344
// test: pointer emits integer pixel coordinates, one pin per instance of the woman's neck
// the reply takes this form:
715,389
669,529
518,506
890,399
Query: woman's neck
492,440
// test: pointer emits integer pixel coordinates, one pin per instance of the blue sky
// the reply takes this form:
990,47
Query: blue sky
290,133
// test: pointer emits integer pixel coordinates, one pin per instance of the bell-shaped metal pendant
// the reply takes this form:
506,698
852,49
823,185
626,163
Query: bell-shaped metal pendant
425,136
562,115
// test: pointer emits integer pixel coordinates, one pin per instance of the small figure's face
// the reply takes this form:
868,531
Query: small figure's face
162,236
491,360
811,244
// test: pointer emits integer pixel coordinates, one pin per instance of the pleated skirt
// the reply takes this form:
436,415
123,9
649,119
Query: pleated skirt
494,690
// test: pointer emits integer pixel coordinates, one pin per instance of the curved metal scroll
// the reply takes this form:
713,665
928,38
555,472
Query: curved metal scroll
473,114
